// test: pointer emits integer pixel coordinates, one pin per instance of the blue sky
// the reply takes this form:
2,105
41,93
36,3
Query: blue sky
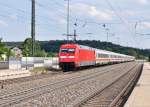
120,17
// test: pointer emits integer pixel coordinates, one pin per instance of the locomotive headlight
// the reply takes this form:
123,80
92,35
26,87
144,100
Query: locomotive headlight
63,56
70,56
66,57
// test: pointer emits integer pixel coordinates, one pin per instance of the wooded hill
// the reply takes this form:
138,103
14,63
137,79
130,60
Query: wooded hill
53,47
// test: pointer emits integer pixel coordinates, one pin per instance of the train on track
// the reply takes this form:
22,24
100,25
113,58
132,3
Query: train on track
73,56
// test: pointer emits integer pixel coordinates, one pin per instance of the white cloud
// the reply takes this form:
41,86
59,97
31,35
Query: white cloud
142,2
56,18
146,25
3,23
131,2
91,11
100,14
129,13
13,17
62,21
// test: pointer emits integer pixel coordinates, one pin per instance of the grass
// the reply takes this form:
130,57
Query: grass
39,70
43,70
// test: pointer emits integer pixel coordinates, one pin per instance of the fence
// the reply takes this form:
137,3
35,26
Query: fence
4,65
30,62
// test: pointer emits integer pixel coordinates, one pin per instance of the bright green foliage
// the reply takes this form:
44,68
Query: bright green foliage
27,49
9,52
52,47
52,54
2,47
40,53
4,50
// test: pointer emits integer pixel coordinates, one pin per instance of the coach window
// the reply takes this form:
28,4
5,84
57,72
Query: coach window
107,56
99,55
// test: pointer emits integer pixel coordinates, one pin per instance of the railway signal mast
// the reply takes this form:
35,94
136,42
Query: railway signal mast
68,18
68,24
107,31
75,31
33,27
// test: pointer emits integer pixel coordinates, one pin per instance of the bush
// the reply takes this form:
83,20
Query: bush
39,70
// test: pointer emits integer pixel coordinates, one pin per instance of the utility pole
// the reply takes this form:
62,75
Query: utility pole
136,24
107,34
33,27
68,18
75,31
118,40
75,35
107,31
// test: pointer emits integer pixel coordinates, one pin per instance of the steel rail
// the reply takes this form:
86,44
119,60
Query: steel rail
98,92
10,99
119,100
36,77
103,69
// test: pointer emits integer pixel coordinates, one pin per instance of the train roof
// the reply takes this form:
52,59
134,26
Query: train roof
97,50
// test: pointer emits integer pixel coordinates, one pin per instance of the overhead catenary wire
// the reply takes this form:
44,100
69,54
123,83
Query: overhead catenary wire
22,11
126,23
57,3
132,30
46,21
72,19
10,7
25,18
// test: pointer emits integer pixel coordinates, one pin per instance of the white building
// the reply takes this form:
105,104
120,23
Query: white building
17,51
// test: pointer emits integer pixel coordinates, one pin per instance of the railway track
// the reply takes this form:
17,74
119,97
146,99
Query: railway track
34,77
29,78
116,93
24,94
37,77
32,92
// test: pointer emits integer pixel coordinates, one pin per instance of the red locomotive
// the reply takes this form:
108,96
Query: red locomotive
73,56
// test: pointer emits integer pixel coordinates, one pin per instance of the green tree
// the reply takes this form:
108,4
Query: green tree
4,50
149,58
52,54
53,46
40,53
27,49
2,47
9,53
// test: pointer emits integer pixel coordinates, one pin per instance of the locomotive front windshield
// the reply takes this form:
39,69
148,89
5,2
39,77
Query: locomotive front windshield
68,50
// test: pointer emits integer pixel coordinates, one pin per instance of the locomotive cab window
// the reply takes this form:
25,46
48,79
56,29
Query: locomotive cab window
71,50
68,50
64,50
